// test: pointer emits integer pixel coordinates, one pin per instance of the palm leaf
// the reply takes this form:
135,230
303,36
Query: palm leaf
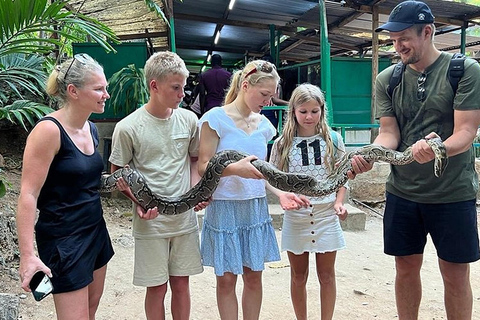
22,20
129,89
24,110
154,7
22,71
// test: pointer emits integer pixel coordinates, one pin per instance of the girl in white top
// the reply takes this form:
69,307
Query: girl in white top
237,235
307,145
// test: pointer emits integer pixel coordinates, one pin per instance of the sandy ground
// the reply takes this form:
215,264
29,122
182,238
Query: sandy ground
365,283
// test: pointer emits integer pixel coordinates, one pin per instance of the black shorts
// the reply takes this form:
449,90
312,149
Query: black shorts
73,259
452,227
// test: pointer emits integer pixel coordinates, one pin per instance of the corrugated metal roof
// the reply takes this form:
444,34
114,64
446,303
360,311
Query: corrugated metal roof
245,29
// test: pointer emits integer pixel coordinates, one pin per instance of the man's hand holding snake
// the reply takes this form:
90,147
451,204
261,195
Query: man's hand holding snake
359,165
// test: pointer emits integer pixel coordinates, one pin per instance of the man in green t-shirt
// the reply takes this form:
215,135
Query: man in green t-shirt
424,106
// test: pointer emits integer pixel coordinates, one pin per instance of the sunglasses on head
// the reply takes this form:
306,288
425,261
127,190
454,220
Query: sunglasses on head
81,57
262,66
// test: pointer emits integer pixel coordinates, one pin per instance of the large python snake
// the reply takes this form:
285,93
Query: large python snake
297,183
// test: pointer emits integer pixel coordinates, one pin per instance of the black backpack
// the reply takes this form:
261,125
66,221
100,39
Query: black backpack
455,73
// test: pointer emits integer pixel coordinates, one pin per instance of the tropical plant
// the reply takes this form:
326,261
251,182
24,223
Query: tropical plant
29,32
129,89
29,29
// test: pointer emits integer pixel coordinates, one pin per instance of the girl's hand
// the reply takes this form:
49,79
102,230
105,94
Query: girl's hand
341,211
245,169
28,267
290,201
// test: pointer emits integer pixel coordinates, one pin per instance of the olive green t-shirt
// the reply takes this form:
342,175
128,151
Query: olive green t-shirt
416,119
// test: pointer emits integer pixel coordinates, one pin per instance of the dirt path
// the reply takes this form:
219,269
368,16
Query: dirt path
365,283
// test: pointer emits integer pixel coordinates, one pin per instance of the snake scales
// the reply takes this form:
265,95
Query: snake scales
297,183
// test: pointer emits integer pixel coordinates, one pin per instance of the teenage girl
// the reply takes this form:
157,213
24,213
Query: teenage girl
237,235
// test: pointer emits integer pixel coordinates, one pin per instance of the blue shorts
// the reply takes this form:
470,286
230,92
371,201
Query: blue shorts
452,227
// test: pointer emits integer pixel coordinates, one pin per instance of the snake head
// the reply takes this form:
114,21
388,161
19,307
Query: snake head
441,157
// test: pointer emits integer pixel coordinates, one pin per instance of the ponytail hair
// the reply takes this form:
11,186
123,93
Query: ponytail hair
74,71
254,72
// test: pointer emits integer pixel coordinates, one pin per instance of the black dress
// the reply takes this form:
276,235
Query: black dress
72,238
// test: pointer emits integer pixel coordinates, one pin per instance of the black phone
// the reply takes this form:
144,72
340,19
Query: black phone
41,285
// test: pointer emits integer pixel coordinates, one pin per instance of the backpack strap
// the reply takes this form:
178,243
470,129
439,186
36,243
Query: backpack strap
455,70
455,73
334,137
395,78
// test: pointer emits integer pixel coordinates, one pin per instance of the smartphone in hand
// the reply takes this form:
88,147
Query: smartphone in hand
41,285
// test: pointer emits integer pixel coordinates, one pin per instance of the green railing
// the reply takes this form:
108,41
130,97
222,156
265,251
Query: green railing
281,110
343,128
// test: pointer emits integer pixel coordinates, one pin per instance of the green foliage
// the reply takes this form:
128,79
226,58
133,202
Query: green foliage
154,7
30,30
3,185
21,32
129,89
22,110
22,71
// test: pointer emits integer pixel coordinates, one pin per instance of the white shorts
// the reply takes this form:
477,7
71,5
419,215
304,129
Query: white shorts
314,229
158,259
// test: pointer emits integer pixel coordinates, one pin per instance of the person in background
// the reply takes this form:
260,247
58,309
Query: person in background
273,115
213,84
237,234
160,140
308,146
424,106
61,178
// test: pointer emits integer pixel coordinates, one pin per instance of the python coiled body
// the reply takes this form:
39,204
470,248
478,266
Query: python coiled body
297,183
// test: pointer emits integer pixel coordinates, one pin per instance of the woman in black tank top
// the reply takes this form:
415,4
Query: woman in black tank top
61,178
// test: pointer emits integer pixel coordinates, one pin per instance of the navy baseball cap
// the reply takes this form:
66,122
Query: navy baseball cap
407,14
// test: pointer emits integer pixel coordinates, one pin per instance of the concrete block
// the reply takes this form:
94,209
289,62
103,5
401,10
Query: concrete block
355,221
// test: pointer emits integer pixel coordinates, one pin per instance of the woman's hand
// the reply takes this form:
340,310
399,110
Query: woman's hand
28,267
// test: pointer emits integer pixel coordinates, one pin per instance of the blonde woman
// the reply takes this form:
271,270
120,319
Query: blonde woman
61,178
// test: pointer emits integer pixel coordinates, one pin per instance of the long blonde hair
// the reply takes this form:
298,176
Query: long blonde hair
254,72
304,93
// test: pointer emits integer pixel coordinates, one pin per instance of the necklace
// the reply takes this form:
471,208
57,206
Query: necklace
244,119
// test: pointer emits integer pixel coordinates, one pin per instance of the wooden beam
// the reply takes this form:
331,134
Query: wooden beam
143,35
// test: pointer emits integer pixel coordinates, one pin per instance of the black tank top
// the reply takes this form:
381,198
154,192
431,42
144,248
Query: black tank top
69,201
